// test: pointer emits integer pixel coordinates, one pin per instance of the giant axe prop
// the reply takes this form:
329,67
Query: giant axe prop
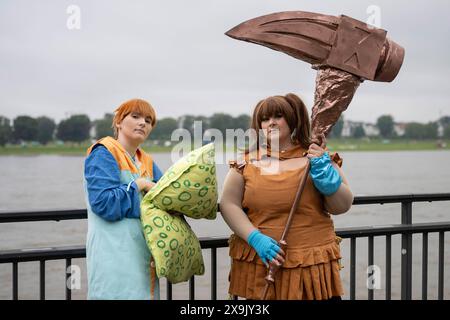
345,52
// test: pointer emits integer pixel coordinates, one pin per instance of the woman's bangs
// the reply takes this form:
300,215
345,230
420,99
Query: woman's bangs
142,109
270,108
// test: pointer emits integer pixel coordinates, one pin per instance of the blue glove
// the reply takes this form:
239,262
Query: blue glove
266,247
325,177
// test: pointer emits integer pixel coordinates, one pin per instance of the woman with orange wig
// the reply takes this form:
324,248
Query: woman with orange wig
117,172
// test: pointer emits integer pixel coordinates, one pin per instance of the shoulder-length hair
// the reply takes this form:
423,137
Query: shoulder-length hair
293,110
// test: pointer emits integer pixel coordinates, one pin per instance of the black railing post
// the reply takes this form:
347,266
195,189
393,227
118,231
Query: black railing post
213,274
42,279
406,252
425,266
371,268
352,268
68,279
388,266
192,288
441,266
169,291
15,279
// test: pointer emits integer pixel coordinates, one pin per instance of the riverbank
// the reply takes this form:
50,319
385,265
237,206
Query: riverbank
333,145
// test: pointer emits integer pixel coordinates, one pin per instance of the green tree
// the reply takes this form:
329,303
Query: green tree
222,121
447,132
415,130
164,128
188,122
103,127
46,128
359,132
431,130
445,121
385,124
5,131
74,129
205,122
25,128
242,122
336,131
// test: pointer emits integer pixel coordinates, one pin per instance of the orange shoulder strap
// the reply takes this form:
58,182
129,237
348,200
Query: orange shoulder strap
124,162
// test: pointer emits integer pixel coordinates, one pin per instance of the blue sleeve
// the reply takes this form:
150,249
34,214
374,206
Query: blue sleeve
157,174
107,197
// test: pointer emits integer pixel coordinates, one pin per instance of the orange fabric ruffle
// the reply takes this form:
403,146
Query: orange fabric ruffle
307,274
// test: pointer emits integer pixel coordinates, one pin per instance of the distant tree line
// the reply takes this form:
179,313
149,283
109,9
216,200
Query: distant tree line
79,128
386,129
413,130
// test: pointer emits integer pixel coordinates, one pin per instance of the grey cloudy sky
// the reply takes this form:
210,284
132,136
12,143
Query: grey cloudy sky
175,55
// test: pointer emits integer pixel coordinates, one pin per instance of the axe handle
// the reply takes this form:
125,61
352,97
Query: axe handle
283,244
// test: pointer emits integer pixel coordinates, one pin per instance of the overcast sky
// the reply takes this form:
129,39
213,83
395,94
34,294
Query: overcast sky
175,55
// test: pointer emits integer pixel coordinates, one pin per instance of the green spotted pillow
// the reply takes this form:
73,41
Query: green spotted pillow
174,246
188,187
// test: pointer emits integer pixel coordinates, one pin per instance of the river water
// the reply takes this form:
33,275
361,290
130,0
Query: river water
55,182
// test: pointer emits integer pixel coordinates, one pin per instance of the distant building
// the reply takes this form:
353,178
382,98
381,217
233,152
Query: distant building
349,127
399,129
346,129
371,130
93,132
440,129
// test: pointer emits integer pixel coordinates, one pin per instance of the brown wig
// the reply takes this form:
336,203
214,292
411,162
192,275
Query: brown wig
292,108
134,105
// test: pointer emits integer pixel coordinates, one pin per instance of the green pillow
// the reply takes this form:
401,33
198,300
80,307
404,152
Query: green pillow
174,246
188,187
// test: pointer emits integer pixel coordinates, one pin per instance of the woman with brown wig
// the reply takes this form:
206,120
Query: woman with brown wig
257,197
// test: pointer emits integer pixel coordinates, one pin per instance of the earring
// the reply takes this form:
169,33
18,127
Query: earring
293,135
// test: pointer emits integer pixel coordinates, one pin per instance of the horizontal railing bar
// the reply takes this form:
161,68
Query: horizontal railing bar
213,242
57,215
392,229
49,253
54,215
429,197
63,252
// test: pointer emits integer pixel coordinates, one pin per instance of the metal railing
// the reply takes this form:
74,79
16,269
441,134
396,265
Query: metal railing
406,229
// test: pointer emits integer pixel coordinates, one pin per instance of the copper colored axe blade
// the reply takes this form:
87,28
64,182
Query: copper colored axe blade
339,42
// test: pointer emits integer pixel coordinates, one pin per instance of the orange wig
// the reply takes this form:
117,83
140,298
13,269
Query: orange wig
134,105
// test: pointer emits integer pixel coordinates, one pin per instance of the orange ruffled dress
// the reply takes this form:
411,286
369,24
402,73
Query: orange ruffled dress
311,269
